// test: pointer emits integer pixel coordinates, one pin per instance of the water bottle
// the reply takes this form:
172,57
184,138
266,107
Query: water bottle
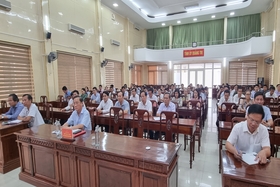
97,135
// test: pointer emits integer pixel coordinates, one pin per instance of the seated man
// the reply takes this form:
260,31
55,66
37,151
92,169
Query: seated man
123,103
225,99
237,96
134,96
125,93
70,102
151,95
95,97
67,93
15,108
80,118
271,93
105,104
267,118
30,112
250,136
145,104
167,105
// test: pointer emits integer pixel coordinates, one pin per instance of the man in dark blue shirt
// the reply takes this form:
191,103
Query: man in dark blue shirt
15,108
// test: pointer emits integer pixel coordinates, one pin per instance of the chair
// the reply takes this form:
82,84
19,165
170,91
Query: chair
87,101
116,120
43,99
48,108
195,113
131,105
276,136
138,122
237,120
154,104
269,102
94,121
4,106
166,126
228,110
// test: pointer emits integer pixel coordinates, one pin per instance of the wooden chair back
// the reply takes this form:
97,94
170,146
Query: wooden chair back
4,106
87,101
166,126
155,106
131,105
236,120
228,110
43,99
269,102
94,120
49,113
116,120
139,123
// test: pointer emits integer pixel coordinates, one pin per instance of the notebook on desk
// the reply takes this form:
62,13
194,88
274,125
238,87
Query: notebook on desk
249,158
11,122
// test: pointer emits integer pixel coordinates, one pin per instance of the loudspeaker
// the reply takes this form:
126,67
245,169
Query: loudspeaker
102,49
49,35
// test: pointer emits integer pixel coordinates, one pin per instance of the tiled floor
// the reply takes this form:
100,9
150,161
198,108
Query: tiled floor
204,173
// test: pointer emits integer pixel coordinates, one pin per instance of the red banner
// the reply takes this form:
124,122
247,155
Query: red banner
193,53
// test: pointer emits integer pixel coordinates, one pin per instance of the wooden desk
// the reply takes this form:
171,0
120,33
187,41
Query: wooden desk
57,113
119,161
9,157
186,126
237,173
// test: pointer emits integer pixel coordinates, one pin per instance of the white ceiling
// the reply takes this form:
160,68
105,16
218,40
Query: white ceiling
137,10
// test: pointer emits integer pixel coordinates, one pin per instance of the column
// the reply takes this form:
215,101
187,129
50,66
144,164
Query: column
276,45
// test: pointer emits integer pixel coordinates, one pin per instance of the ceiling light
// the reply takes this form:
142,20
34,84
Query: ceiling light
159,15
178,21
234,2
108,32
193,10
213,16
208,7
115,5
60,13
163,24
232,13
194,19
121,30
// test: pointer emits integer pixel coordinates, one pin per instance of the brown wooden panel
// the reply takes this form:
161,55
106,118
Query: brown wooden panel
44,163
85,176
26,158
114,176
10,150
237,183
149,180
66,169
173,179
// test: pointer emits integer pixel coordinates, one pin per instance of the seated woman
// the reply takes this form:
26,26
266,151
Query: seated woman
196,96
245,102
177,98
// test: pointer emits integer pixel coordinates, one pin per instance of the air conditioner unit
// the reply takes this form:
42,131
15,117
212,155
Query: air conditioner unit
76,29
5,5
114,42
269,60
136,27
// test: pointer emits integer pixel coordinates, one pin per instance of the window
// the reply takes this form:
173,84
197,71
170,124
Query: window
74,71
157,75
15,70
113,74
243,73
136,73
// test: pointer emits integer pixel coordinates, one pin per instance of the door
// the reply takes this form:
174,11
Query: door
196,77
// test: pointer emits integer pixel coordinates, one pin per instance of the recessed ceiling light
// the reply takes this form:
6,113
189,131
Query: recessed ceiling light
115,5
163,24
60,13
108,32
178,21
213,16
232,13
194,19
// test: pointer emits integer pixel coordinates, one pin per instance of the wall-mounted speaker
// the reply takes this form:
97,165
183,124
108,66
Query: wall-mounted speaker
102,49
49,35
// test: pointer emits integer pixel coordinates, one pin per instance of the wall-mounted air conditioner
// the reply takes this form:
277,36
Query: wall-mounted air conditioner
114,42
76,29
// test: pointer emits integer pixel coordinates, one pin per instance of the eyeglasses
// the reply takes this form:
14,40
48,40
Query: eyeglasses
252,120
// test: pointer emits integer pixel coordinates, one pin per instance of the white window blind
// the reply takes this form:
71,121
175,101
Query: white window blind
16,74
243,73
73,71
114,74
136,73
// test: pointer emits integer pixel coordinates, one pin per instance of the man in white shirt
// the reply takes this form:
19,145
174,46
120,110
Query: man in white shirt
70,102
105,104
222,94
237,96
151,95
95,97
145,104
250,136
256,89
167,105
271,93
30,112
225,99
233,91
134,96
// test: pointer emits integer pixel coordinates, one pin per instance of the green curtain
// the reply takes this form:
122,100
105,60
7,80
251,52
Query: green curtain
242,26
204,33
158,38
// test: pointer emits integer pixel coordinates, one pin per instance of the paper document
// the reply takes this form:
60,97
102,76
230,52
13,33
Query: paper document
14,121
249,158
108,114
156,118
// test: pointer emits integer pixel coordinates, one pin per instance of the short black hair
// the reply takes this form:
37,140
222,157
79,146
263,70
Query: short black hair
29,97
144,93
256,109
94,88
227,91
257,94
133,89
264,85
84,89
80,99
64,88
14,97
100,85
169,95
256,85
121,93
272,88
105,92
239,87
277,85
151,90
74,92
